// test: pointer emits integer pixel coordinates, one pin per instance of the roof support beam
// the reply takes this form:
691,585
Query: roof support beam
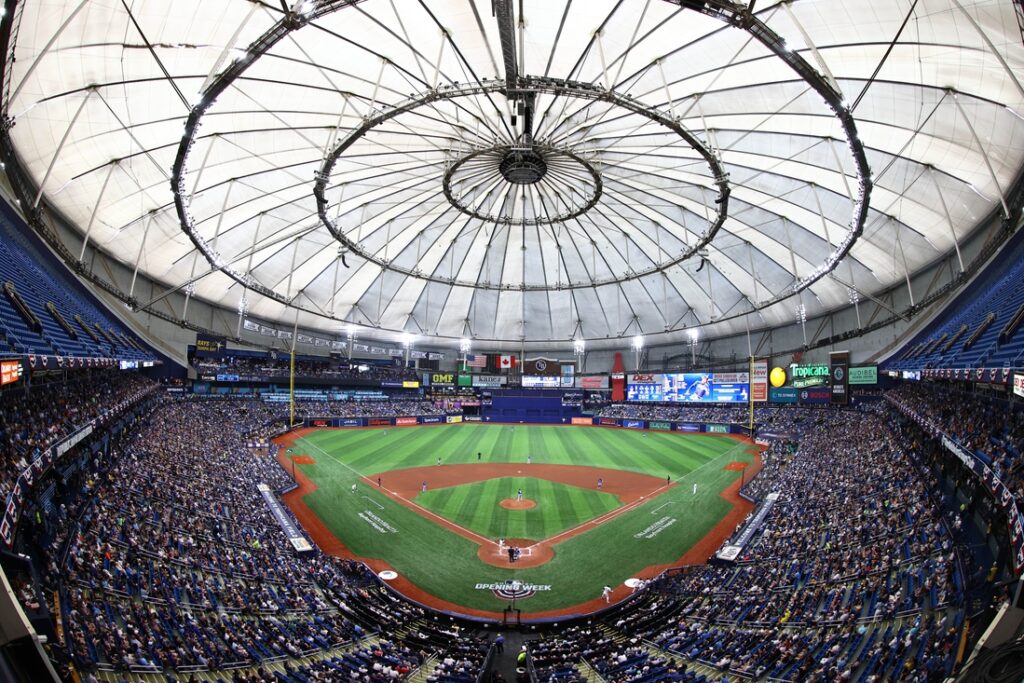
984,154
60,146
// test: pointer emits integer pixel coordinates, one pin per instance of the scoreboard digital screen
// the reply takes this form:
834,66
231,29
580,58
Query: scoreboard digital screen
730,387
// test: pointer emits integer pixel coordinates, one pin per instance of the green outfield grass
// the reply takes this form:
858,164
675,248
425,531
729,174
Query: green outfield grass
559,506
441,562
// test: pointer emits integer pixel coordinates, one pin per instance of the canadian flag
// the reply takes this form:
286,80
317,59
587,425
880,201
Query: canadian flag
506,361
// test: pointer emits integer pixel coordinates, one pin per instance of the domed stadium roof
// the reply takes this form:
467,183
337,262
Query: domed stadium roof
522,169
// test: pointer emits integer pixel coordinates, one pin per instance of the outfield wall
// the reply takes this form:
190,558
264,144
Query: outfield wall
662,425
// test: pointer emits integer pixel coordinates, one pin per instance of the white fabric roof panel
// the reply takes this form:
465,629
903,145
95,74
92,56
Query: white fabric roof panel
89,97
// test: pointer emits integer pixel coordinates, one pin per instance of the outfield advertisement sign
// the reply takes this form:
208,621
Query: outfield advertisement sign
488,380
432,419
716,429
633,424
351,422
690,387
1018,384
865,374
816,395
609,422
687,427
583,420
666,426
784,395
453,419
379,422
405,421
759,387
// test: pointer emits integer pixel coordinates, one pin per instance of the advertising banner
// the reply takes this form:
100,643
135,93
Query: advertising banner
667,426
608,421
431,419
10,371
815,395
465,381
687,427
783,395
405,421
541,381
633,424
454,419
583,420
592,382
839,363
442,379
759,387
716,429
410,384
1018,384
488,380
865,374
379,422
207,345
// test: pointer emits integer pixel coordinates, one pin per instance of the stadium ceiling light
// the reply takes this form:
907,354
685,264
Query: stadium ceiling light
465,345
693,333
579,347
350,331
407,340
637,343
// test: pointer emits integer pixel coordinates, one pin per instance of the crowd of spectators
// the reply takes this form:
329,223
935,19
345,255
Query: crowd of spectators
389,408
170,560
33,418
992,428
853,574
326,368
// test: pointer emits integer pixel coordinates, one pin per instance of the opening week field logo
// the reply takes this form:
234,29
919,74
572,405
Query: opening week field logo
513,590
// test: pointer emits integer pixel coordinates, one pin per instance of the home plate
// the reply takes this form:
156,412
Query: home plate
388,575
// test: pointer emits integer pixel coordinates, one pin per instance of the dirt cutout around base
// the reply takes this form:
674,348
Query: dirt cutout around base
736,466
331,545
532,553
513,504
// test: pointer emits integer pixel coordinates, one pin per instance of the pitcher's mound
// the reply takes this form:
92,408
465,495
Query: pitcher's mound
513,504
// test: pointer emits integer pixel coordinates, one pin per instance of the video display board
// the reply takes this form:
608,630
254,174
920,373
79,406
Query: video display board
690,387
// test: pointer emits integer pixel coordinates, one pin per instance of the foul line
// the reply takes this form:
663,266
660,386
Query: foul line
371,500
405,501
597,521
608,516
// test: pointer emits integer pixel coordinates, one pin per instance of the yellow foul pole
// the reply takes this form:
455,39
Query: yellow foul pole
750,395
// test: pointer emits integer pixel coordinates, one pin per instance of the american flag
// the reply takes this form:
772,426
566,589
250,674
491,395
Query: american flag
476,361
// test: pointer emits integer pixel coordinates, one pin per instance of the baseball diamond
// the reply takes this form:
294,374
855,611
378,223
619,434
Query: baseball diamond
446,528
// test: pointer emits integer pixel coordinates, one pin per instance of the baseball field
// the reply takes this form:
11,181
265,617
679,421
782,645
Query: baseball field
586,507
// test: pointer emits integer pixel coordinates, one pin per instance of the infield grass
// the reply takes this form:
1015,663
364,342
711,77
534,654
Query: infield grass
445,564
558,506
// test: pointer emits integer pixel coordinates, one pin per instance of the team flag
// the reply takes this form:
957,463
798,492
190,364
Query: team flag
476,360
506,362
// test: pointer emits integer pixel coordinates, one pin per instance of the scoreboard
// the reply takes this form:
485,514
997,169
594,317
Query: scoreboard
690,387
